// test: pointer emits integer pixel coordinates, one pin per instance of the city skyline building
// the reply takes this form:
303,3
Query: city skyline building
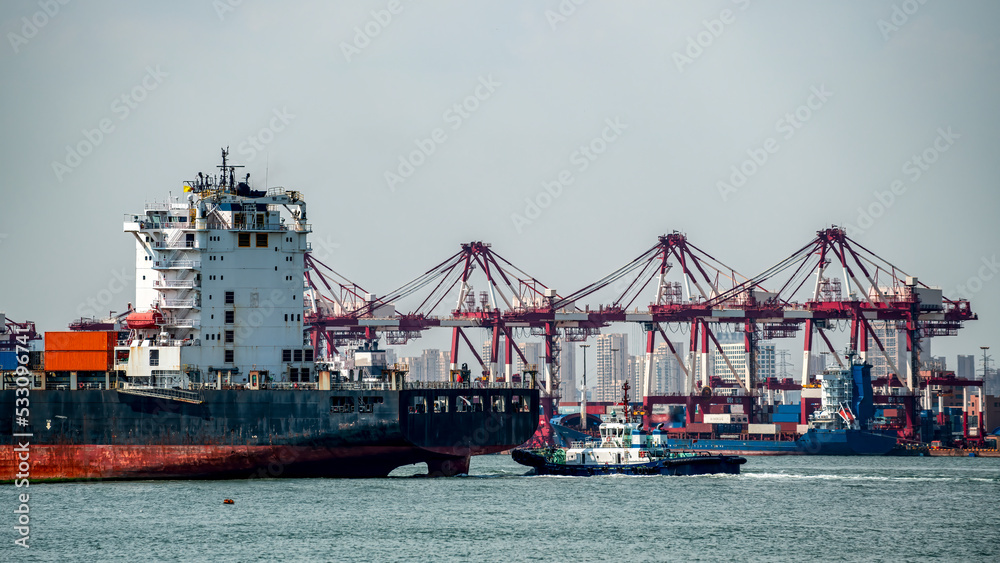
611,366
534,352
430,365
668,377
736,352
567,371
966,368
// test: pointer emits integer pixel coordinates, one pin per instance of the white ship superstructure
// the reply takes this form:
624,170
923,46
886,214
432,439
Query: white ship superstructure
219,288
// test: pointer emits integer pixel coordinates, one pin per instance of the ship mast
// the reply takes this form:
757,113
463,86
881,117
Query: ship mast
625,388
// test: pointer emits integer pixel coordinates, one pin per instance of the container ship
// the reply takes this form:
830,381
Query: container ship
210,374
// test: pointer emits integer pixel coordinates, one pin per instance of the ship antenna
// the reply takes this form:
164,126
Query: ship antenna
625,388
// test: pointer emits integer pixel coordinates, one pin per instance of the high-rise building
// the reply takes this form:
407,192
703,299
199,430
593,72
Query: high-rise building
414,367
966,367
567,371
534,352
435,364
636,373
894,342
939,363
501,354
668,377
817,363
736,352
430,365
991,383
612,350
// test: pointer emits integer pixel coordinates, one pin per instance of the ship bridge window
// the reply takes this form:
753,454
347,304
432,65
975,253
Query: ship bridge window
230,317
418,405
308,353
297,354
341,404
261,240
520,403
244,240
367,404
441,404
473,403
154,357
228,357
286,355
498,404
230,297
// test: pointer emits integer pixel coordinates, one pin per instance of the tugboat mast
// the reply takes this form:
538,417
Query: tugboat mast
625,388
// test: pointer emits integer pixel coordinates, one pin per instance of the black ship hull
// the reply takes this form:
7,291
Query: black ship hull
109,434
693,465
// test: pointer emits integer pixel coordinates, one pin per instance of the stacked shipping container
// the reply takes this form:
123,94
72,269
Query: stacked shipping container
79,351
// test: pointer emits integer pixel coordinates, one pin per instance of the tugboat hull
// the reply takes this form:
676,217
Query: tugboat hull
690,465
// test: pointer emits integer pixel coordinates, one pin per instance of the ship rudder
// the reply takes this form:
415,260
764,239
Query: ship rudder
448,467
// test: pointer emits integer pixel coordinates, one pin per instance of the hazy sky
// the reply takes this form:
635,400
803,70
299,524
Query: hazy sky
108,105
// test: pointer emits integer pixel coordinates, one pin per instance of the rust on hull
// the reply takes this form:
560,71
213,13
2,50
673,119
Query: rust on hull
104,434
104,462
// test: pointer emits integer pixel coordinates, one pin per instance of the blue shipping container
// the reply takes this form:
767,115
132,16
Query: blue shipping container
8,361
788,408
778,417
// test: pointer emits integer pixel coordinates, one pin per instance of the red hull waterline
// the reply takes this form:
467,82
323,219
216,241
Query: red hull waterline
76,462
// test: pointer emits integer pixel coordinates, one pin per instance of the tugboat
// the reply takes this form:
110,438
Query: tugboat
624,448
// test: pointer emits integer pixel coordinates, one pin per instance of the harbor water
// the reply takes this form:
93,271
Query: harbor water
779,509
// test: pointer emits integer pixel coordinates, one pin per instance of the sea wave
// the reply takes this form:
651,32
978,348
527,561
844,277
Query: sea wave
830,477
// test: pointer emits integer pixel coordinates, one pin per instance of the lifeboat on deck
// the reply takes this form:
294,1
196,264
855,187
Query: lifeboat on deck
149,319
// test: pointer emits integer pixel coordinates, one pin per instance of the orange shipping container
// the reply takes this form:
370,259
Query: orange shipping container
787,426
78,361
80,341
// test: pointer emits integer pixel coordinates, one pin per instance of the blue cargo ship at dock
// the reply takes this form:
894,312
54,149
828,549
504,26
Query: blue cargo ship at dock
814,442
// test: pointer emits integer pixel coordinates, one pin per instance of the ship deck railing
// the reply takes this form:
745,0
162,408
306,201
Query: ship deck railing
356,386
163,393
